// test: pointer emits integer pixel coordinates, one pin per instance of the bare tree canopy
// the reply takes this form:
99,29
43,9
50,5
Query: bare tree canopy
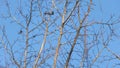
57,34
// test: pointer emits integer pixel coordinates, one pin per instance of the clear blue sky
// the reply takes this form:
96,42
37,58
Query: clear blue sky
102,10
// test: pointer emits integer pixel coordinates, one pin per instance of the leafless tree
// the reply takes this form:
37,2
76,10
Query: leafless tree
55,34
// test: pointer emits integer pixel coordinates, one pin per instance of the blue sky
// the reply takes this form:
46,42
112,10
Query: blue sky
102,10
111,7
